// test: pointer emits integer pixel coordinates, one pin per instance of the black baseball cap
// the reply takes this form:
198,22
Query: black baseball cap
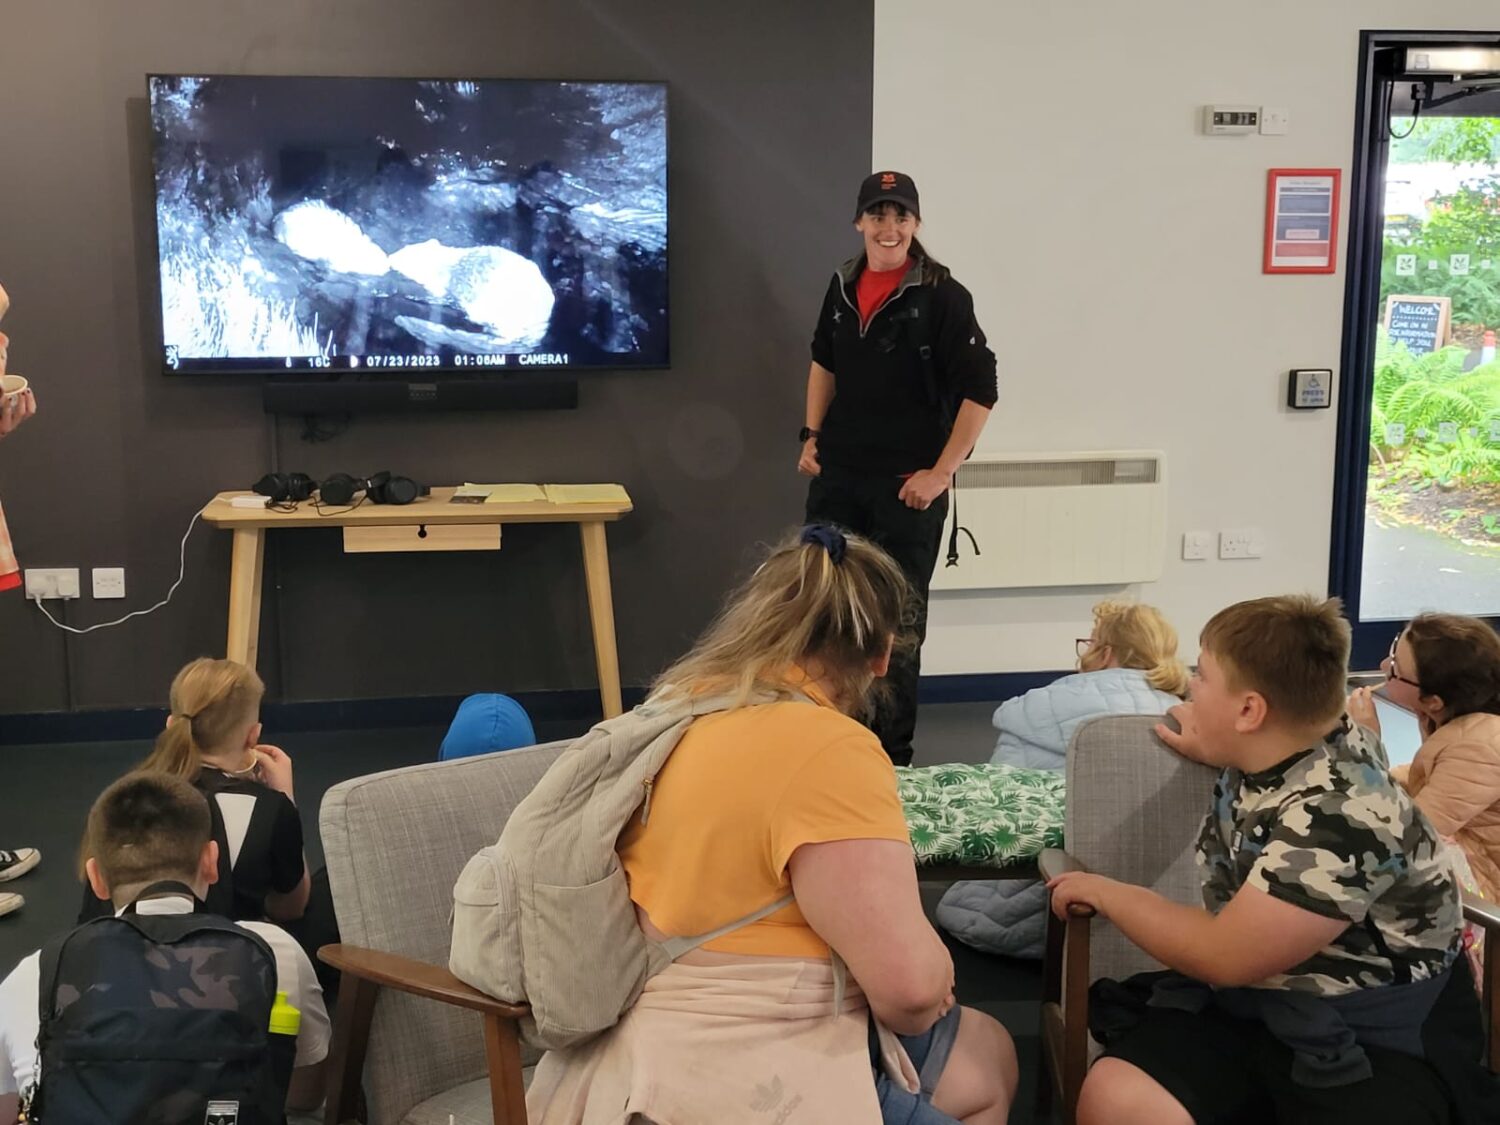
887,187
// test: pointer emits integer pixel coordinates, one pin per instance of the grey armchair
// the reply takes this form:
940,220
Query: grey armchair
418,1043
1133,811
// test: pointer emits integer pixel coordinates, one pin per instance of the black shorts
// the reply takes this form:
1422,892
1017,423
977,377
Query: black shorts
1227,1071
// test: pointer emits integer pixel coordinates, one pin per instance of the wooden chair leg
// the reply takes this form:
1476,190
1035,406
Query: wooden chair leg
1491,998
351,1040
1052,960
1075,985
503,1053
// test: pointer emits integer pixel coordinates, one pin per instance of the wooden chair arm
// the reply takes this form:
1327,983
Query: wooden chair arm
1482,913
406,974
366,972
1054,862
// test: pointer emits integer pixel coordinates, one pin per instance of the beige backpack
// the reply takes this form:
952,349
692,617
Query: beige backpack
544,916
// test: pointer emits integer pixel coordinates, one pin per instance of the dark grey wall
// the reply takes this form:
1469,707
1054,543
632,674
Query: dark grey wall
770,133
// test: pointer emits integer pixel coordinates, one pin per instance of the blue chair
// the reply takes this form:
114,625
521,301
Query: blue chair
486,723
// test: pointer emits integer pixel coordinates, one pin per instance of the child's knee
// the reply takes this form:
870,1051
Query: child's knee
1005,1051
995,1045
1119,1093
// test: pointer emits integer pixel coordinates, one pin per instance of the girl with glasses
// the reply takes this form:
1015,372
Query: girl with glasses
1446,669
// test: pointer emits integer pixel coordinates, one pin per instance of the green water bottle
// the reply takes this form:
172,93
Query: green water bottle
286,1021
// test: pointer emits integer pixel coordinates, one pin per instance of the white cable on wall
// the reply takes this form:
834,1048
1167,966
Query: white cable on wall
181,571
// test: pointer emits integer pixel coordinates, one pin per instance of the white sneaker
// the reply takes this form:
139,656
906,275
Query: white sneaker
10,903
18,862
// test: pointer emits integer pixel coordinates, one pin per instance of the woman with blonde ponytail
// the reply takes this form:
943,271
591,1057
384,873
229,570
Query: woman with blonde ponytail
1127,665
785,794
212,739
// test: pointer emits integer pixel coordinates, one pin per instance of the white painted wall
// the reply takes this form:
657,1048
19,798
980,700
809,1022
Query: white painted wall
1114,254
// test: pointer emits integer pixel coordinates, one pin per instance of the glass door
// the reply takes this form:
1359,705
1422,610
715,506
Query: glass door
1418,506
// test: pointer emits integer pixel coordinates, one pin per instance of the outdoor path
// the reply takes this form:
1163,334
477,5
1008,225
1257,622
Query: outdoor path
1411,569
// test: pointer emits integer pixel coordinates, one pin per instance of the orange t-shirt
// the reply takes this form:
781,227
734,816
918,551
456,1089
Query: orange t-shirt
742,791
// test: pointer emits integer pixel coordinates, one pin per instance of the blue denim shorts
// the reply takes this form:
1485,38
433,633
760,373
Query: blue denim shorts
929,1054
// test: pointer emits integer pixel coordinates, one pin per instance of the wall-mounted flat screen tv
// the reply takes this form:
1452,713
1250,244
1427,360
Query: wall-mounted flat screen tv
316,225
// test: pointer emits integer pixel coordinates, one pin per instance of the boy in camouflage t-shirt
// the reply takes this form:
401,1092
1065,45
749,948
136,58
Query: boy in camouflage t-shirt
1329,832
1322,980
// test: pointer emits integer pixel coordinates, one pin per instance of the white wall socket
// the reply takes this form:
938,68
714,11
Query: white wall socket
1240,543
109,581
52,582
1197,544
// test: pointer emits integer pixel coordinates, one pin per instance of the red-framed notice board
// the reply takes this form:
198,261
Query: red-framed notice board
1302,220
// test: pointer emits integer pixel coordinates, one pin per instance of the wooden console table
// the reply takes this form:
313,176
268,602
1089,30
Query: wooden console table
430,524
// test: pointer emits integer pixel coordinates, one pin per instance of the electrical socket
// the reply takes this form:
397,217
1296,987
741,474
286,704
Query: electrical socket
1197,544
52,582
109,581
1240,543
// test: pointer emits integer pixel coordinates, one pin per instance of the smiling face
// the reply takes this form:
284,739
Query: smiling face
888,229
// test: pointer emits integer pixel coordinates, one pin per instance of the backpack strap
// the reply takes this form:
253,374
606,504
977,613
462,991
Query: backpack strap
919,314
709,704
677,946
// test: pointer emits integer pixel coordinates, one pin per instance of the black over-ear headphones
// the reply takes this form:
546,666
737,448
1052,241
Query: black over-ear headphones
340,489
382,488
285,488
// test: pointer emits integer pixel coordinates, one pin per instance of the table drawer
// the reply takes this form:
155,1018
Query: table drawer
423,537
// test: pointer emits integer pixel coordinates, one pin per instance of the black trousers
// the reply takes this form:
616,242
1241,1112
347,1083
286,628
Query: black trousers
871,506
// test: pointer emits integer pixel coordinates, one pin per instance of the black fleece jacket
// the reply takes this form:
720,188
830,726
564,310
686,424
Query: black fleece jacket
892,410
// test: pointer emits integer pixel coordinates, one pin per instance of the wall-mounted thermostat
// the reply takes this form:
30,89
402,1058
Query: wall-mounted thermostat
1229,120
1310,388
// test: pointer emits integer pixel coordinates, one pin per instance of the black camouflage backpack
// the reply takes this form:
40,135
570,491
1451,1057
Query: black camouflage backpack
158,1019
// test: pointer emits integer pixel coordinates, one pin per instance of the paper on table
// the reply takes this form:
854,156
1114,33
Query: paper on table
586,493
510,493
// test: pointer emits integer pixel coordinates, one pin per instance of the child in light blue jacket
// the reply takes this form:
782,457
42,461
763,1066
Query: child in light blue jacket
1126,666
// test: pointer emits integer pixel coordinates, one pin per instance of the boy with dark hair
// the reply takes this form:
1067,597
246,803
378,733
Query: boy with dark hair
149,850
1321,981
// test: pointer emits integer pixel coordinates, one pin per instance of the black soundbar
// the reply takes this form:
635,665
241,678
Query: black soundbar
365,395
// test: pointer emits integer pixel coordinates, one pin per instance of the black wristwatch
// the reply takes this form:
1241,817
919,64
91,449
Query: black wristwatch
808,432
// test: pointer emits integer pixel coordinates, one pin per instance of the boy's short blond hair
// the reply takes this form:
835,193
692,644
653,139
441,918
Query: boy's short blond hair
1293,650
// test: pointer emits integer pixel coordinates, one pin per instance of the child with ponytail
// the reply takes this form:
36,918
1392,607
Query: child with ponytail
212,740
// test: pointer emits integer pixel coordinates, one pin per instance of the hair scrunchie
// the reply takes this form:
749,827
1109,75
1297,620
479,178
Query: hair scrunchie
830,538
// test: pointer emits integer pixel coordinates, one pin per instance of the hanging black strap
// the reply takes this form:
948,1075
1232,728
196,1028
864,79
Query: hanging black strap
953,535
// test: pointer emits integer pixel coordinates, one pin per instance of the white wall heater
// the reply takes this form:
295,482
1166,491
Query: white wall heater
1058,519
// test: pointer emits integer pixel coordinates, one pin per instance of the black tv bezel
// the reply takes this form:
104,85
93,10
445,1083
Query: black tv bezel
403,376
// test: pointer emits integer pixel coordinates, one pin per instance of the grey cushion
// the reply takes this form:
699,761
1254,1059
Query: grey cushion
395,843
1134,809
468,1104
